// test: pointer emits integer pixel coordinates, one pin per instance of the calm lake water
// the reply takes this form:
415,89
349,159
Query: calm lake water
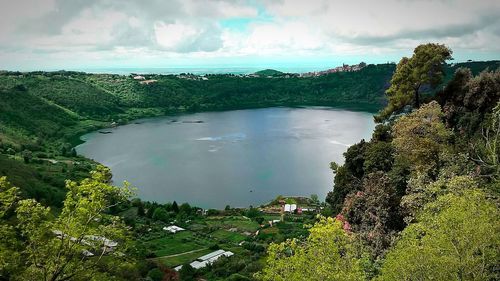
240,157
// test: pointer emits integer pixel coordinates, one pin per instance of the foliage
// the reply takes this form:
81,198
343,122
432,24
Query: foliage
348,176
268,72
187,272
424,68
328,254
373,213
420,136
161,215
9,245
467,99
422,190
379,156
155,274
455,238
486,151
54,247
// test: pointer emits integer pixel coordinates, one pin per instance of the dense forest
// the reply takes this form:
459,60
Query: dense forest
419,201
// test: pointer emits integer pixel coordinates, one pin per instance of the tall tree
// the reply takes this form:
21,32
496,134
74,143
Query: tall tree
423,69
420,137
373,213
9,244
456,238
328,254
70,246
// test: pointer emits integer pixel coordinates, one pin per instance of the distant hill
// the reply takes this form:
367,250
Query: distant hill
268,72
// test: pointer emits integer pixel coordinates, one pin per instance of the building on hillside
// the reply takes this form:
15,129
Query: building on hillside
139,77
147,82
207,259
173,228
290,208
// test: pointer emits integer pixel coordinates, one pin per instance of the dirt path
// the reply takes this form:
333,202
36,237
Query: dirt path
185,253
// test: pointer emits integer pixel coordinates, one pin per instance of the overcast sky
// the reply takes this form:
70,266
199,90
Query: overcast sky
80,34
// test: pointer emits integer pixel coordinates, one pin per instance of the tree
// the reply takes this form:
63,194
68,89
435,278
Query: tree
344,183
423,69
253,212
315,199
327,254
259,220
9,244
348,176
455,238
185,208
379,156
486,152
72,245
187,272
175,207
422,190
27,156
420,137
140,210
160,214
373,213
155,274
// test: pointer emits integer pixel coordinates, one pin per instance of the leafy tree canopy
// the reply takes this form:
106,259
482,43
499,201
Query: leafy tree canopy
455,238
328,254
423,69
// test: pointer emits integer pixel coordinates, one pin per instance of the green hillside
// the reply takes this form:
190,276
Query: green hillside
44,113
268,72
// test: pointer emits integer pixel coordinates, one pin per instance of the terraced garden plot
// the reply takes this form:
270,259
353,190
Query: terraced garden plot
241,223
172,261
180,242
229,236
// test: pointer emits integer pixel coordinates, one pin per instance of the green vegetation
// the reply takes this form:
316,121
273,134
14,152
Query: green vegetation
37,245
423,69
327,255
268,72
418,201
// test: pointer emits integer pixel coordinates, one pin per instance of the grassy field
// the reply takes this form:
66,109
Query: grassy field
181,242
182,258
241,223
228,236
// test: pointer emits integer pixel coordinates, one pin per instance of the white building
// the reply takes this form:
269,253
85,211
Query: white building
290,207
173,228
207,259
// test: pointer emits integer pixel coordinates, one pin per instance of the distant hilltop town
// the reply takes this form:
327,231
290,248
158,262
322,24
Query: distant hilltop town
343,68
267,73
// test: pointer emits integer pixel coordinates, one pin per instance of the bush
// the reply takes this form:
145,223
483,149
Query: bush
155,274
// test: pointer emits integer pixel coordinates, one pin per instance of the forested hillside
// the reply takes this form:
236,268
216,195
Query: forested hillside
418,201
44,113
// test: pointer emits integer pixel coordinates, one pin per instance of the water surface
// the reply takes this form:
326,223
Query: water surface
237,158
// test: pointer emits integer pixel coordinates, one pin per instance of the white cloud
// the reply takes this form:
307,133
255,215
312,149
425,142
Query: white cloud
171,36
107,30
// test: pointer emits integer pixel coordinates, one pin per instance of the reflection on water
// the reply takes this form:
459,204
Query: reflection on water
219,161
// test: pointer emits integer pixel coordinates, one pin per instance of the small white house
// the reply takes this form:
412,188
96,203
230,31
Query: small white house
173,228
139,77
207,259
290,207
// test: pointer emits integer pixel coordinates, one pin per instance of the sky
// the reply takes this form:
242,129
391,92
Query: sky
93,34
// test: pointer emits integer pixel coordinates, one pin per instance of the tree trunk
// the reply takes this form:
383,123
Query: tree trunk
417,97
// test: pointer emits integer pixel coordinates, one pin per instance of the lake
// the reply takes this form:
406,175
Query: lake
237,158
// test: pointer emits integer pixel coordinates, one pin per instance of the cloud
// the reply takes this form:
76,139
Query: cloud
107,31
368,22
185,37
